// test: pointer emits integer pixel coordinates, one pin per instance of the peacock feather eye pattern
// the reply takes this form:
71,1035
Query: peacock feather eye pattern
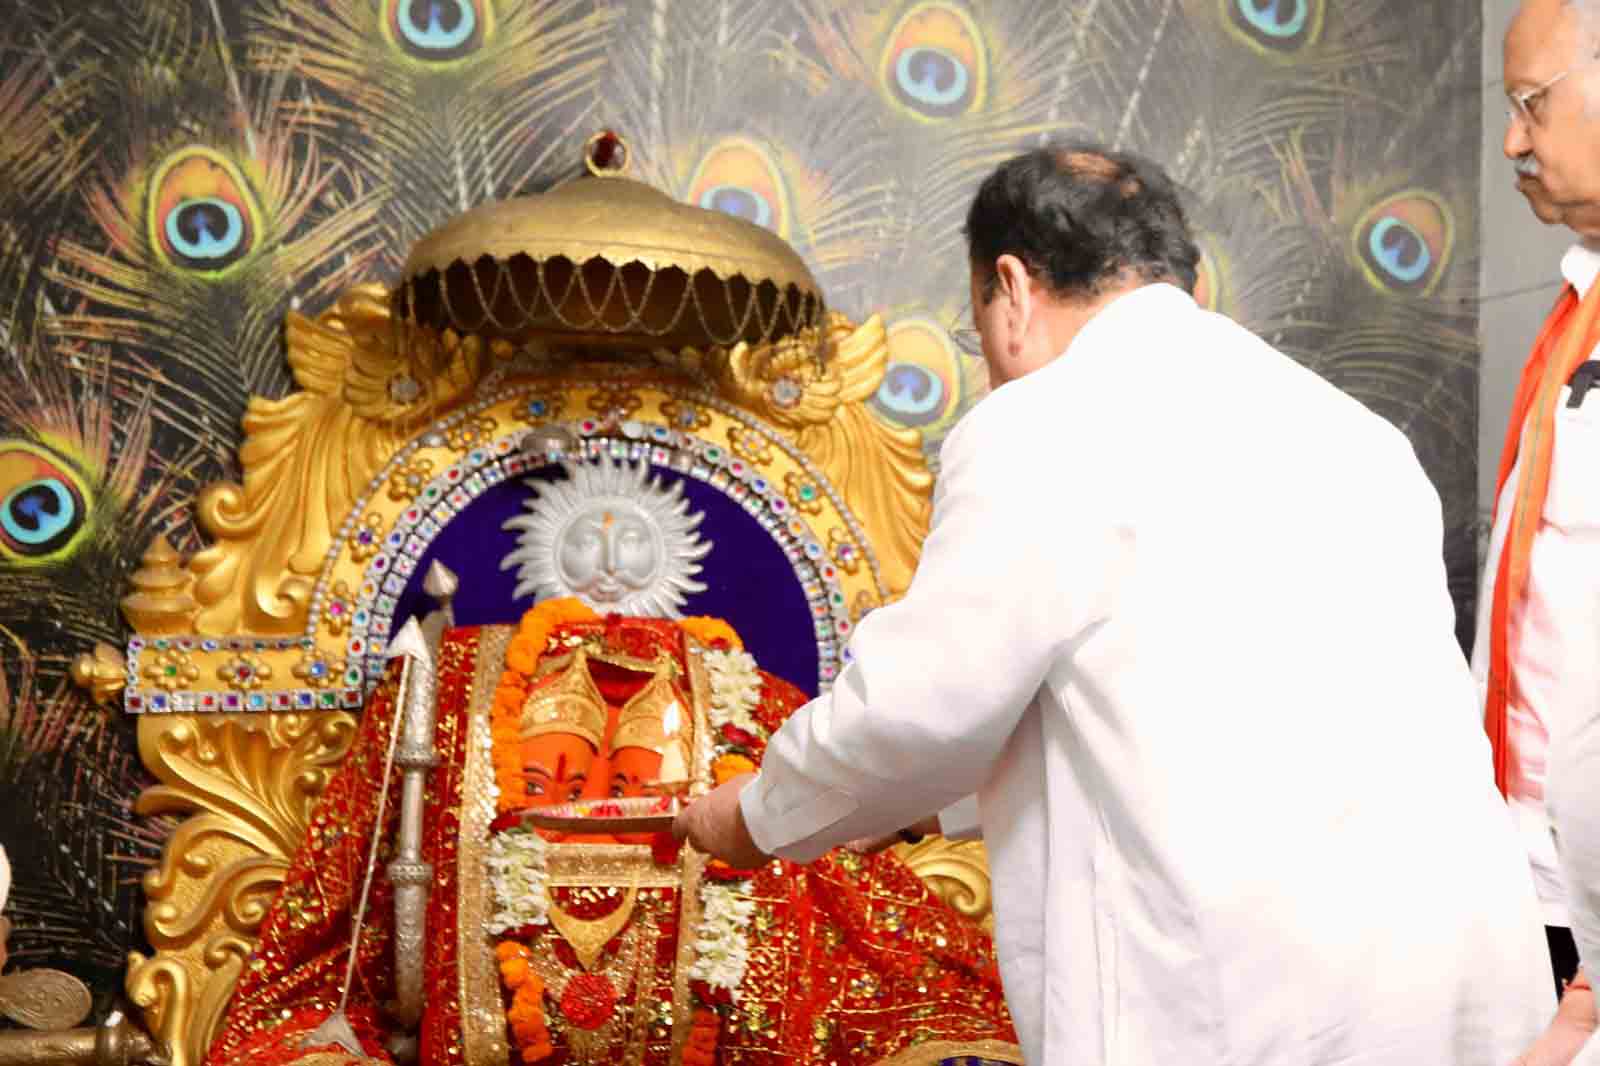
437,31
741,178
935,65
922,386
43,504
202,216
1281,28
1404,243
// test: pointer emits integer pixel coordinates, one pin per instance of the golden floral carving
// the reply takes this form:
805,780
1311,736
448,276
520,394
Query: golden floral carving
615,401
316,671
541,405
409,478
244,673
470,433
172,670
803,493
248,783
685,416
958,873
749,445
337,608
844,551
367,537
878,468
309,456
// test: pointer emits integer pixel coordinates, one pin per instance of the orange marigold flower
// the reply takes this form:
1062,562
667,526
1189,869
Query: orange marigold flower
727,767
524,1013
538,1052
523,654
530,1033
708,631
514,970
511,949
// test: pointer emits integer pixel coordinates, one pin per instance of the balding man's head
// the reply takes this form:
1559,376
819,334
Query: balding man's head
1553,129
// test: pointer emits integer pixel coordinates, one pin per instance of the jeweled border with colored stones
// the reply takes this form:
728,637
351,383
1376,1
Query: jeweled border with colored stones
455,488
137,700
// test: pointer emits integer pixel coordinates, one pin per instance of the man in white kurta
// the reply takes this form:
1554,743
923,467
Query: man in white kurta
1181,624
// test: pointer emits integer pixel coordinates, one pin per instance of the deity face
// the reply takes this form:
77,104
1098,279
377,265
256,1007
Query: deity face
631,768
555,768
611,534
607,553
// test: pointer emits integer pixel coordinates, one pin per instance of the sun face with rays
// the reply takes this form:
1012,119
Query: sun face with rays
612,536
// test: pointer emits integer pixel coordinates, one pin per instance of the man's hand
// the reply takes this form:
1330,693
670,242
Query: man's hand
715,825
1560,1043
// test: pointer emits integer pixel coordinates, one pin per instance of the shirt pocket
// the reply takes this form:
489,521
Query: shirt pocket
1572,503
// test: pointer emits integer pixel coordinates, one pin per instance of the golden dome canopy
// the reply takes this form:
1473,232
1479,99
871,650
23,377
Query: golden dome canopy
607,260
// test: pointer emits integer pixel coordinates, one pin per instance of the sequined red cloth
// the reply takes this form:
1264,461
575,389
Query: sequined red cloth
852,959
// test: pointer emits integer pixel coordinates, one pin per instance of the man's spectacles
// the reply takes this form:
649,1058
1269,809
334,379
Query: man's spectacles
963,331
1528,105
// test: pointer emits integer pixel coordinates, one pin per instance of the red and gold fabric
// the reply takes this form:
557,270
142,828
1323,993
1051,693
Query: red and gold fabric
850,960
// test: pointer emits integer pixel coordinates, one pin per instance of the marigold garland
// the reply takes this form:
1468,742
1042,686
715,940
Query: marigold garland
526,1013
722,947
727,767
704,1031
709,631
522,659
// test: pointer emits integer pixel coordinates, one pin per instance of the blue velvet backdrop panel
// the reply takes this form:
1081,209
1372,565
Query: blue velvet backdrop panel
749,581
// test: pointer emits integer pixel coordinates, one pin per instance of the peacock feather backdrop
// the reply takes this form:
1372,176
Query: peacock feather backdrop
175,175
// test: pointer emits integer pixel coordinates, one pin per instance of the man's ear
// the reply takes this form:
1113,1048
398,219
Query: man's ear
1012,279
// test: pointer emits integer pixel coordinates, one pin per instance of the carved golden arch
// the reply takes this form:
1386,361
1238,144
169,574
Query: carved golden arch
284,610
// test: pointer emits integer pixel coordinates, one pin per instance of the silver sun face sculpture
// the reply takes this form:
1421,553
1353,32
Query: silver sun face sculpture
612,536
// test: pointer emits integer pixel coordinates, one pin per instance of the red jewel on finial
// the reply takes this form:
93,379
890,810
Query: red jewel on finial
607,152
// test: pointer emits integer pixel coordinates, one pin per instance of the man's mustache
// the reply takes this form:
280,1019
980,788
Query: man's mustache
1526,166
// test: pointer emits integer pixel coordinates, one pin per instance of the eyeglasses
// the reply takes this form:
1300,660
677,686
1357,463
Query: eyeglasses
1528,104
963,331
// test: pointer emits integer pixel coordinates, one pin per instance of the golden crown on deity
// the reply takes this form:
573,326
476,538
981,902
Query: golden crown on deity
570,703
644,723
603,261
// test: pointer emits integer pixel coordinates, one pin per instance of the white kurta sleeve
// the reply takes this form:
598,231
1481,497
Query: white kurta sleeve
960,820
1011,573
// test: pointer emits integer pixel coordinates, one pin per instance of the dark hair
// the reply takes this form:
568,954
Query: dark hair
1080,217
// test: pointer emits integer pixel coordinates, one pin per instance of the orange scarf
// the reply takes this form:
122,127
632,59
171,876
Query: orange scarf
1568,336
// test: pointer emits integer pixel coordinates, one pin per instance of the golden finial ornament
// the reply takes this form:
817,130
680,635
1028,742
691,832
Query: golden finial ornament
606,154
570,703
103,672
161,603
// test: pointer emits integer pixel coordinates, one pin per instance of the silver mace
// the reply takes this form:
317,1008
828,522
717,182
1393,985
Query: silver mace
408,645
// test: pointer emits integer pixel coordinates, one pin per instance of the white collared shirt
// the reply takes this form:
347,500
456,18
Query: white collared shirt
1554,644
1181,621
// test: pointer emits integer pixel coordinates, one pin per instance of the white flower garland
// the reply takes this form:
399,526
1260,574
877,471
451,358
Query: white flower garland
722,948
735,690
517,874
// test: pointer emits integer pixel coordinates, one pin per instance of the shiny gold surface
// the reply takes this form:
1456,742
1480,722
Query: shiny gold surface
161,602
103,672
316,469
307,461
605,264
958,873
248,783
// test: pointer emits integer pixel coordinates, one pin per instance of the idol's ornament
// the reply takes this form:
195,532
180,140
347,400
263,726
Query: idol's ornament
562,527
